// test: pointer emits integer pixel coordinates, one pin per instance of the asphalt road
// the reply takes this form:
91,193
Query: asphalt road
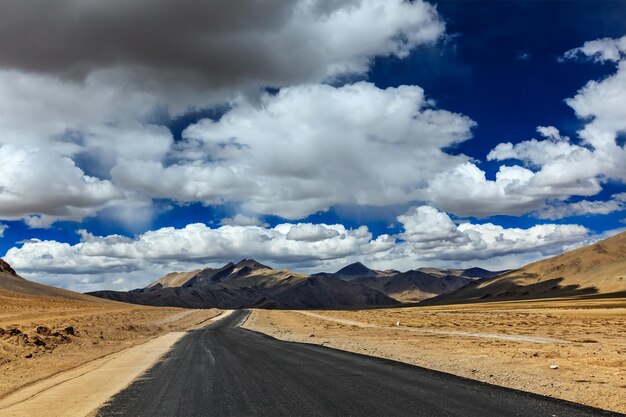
223,370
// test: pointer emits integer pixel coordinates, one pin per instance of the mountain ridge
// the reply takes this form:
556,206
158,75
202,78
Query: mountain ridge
249,283
598,269
413,285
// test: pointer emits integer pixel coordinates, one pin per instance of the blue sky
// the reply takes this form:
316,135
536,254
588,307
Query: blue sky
316,136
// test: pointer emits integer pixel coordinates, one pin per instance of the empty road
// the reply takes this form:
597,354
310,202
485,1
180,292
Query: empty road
223,370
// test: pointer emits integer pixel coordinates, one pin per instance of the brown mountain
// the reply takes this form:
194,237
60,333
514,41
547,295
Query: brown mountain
13,285
595,270
474,273
410,286
415,285
251,284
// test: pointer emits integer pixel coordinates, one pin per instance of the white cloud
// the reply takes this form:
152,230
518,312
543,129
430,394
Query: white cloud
308,148
603,103
191,245
554,167
95,119
429,237
537,153
427,224
465,191
311,232
101,100
605,49
3,228
59,140
242,220
560,210
40,182
305,149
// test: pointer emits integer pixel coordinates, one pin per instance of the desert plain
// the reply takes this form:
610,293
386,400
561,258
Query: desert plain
569,349
43,336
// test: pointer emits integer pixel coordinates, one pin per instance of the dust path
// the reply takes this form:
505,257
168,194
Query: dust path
174,317
500,336
81,391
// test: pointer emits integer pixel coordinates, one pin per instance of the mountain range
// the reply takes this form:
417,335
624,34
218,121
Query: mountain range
249,283
413,285
598,270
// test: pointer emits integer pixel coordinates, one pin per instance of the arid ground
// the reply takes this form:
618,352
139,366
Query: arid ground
42,336
569,349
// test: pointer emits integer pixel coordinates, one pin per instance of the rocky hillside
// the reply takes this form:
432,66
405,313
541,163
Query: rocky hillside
590,271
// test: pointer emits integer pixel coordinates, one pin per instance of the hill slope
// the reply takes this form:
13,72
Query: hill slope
11,285
598,269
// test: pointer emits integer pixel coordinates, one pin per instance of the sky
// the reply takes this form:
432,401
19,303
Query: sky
139,138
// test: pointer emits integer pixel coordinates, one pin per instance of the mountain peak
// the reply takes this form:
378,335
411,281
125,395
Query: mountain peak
6,268
476,272
355,269
251,264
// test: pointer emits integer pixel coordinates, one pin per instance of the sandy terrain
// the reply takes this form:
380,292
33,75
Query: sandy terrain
42,336
512,344
84,389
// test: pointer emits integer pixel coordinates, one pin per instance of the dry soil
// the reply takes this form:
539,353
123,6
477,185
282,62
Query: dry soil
569,349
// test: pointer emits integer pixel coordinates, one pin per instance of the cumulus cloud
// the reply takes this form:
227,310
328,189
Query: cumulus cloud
603,104
216,45
430,234
429,237
60,141
103,98
195,243
39,185
242,220
426,224
465,191
537,153
99,144
312,232
308,148
552,168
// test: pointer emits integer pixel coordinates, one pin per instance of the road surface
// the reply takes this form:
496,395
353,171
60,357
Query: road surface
223,370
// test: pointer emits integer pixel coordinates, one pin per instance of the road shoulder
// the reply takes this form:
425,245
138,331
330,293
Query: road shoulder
83,390
562,351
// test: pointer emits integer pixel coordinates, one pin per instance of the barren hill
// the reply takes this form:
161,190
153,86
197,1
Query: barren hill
598,269
11,284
